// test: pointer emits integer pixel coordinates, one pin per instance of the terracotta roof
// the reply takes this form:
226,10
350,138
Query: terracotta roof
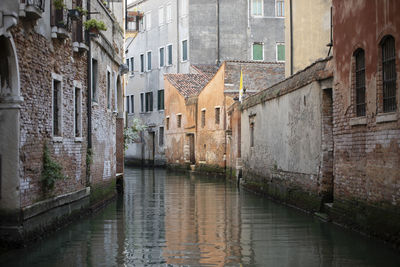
206,69
188,84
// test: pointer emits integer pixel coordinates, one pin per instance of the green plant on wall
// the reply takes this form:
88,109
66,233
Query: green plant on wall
59,4
131,134
51,172
95,24
82,11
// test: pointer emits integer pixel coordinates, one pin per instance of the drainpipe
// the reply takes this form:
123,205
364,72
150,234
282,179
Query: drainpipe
291,38
218,36
89,91
177,37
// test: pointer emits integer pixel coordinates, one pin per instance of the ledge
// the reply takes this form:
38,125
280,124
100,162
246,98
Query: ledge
58,139
358,121
386,117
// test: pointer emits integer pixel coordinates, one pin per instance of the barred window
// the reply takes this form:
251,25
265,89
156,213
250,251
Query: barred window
389,74
360,82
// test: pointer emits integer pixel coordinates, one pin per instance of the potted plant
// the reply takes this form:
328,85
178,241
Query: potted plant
94,26
59,4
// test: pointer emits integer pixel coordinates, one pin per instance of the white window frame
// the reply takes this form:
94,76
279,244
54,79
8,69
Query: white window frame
262,9
161,16
159,58
78,85
261,43
187,49
167,51
148,20
59,78
168,12
184,8
276,51
276,10
147,61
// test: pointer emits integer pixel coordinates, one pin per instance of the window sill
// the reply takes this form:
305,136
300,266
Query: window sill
78,139
57,139
358,121
386,117
94,104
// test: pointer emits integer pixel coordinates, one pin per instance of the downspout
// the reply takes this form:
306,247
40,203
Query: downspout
89,94
218,36
291,39
177,37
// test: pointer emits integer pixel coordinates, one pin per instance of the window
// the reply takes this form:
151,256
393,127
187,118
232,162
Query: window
108,90
258,51
169,13
169,48
57,105
167,123
94,79
162,57
161,136
148,21
184,7
280,52
280,8
160,16
252,134
179,120
160,100
149,61
149,101
132,104
142,63
184,50
127,104
389,74
360,82
142,102
132,66
78,112
256,8
203,118
217,115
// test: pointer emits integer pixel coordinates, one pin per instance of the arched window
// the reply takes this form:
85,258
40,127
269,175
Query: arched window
359,56
389,73
5,86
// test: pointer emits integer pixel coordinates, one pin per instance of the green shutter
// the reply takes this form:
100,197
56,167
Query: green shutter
281,52
257,52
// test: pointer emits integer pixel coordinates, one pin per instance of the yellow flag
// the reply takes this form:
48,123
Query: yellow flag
241,86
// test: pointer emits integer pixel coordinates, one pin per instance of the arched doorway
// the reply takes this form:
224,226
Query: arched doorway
10,101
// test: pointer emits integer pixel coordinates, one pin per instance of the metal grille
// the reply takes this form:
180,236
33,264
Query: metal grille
389,74
360,82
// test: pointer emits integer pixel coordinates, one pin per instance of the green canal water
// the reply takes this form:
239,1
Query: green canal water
169,219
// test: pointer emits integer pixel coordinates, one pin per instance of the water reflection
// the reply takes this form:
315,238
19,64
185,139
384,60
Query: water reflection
167,219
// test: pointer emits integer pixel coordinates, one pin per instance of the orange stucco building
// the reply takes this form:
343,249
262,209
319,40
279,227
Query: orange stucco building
198,126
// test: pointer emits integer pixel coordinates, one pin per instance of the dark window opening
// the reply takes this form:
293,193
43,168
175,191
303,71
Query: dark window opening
360,82
160,100
389,74
56,108
149,101
217,115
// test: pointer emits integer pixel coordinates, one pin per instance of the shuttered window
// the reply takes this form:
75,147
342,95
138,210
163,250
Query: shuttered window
280,52
258,51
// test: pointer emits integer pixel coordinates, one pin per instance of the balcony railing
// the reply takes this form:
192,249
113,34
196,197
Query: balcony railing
32,9
39,4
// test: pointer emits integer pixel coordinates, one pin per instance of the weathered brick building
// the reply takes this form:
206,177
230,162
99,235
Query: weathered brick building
366,123
45,102
196,110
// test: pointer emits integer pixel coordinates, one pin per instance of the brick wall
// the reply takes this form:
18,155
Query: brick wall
38,58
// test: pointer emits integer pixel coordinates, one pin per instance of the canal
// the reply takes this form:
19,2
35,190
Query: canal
169,219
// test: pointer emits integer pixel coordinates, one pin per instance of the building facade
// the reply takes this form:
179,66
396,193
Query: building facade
308,33
366,116
47,141
197,104
170,36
